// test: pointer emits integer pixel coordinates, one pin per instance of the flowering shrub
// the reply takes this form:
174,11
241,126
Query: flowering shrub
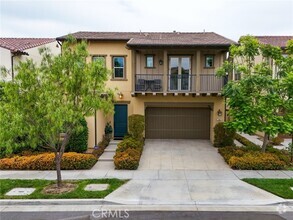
45,161
256,161
127,160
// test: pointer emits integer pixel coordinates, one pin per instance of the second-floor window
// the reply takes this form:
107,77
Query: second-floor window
209,61
99,58
119,67
149,61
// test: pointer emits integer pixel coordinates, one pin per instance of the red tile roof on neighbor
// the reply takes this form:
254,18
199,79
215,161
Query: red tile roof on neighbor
145,39
21,44
279,41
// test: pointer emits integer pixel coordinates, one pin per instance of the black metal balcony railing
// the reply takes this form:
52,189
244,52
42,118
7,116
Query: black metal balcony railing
211,83
208,83
149,82
181,83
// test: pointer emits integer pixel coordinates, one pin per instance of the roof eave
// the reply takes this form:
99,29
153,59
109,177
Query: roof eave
178,45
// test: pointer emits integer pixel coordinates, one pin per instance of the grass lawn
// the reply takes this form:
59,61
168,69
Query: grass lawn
279,187
8,184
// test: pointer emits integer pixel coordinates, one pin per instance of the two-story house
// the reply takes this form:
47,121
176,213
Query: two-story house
168,77
15,50
277,41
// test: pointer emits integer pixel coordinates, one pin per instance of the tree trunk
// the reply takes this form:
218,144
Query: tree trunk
58,159
291,150
58,169
265,142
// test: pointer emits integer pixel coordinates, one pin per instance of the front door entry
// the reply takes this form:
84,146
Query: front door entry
120,121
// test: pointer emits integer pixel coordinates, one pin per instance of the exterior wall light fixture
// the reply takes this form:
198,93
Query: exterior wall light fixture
219,112
161,62
120,95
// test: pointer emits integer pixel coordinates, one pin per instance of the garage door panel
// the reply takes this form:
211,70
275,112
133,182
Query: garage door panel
177,123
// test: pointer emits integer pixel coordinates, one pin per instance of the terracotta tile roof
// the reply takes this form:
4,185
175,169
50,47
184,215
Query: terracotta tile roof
21,44
157,38
85,35
279,41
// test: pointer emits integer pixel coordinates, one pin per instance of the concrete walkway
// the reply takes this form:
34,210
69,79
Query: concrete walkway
255,139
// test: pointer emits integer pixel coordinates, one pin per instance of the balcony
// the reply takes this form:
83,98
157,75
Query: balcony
149,82
174,83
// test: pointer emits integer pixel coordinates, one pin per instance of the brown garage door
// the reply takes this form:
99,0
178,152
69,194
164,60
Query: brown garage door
177,123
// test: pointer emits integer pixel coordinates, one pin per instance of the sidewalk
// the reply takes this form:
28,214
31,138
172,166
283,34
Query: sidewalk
149,174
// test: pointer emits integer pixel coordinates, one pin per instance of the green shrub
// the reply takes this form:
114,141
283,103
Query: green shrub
127,160
136,126
256,161
283,155
229,151
78,140
130,143
45,161
97,152
245,141
223,136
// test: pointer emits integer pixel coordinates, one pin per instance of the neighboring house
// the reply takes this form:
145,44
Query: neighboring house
168,77
278,41
14,50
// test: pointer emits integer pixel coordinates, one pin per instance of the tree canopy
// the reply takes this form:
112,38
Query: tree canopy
262,99
43,105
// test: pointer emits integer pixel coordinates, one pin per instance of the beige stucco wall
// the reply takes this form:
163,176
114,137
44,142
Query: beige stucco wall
5,60
136,105
34,54
159,55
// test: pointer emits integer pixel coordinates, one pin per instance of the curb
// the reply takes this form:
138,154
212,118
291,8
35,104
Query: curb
64,202
35,202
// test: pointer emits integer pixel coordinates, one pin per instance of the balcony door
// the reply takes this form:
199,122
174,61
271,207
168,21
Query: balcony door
179,73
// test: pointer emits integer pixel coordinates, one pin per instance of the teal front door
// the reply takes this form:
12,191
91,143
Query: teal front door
120,121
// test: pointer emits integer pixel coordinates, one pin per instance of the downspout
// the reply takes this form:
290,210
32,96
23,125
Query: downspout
12,66
12,60
95,128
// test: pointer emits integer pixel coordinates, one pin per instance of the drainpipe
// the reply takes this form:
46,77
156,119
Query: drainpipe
12,60
95,128
12,66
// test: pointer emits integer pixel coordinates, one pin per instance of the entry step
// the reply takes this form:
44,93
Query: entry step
107,156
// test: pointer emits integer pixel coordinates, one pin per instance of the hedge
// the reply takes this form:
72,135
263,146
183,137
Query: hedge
128,154
78,140
101,146
136,126
130,143
252,159
223,136
127,160
256,161
45,161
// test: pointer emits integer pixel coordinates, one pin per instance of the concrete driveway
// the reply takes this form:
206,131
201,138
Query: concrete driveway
181,155
187,172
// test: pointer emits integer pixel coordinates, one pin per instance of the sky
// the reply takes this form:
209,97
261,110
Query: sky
230,18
